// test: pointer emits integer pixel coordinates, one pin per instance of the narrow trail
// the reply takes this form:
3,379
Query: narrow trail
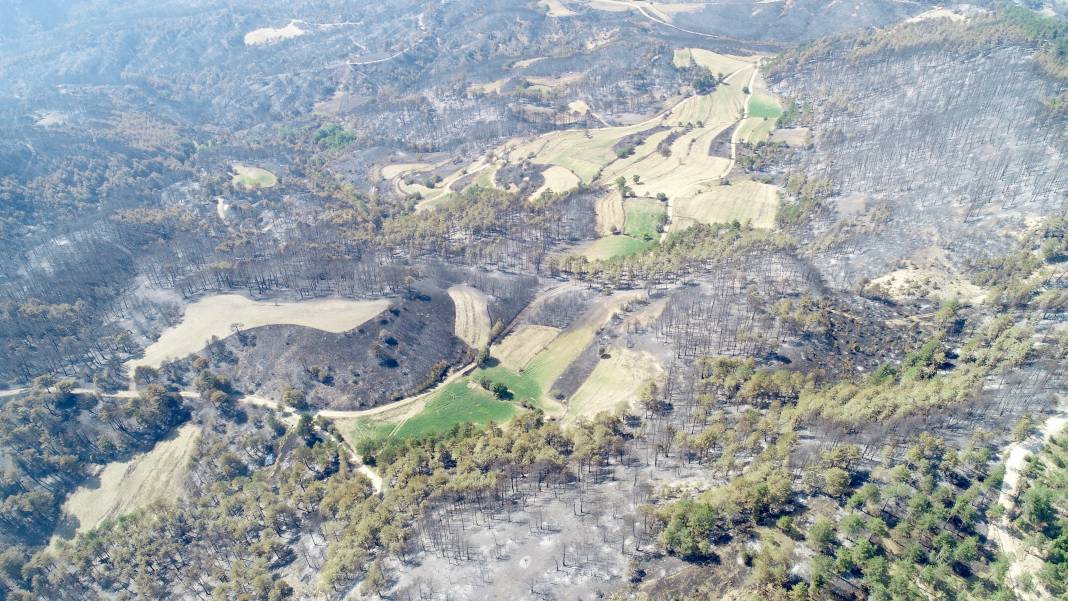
1015,455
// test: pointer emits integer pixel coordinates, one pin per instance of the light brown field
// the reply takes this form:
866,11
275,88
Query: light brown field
472,324
272,35
742,200
130,485
936,13
614,382
928,282
578,106
213,316
490,87
797,136
557,179
556,8
555,82
392,171
610,213
724,64
523,64
519,347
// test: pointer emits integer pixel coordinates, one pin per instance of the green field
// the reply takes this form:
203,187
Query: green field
643,217
761,106
253,177
523,387
615,246
457,403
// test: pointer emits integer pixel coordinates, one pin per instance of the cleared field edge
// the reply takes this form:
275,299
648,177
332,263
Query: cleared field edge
215,316
472,322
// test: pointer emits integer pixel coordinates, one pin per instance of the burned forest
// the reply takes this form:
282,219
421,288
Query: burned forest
587,300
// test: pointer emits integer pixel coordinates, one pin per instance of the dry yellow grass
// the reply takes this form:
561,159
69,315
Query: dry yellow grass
744,200
556,8
490,87
555,82
796,137
519,347
610,214
272,35
472,324
130,485
724,64
557,179
928,282
578,106
523,64
213,316
614,382
754,129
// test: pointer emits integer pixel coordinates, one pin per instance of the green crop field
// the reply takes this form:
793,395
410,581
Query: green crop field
762,106
644,215
456,403
523,387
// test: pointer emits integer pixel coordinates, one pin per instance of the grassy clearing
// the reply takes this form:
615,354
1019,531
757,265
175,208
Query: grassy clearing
519,347
130,485
742,200
615,382
644,217
472,323
522,386
251,178
456,403
763,106
214,316
614,246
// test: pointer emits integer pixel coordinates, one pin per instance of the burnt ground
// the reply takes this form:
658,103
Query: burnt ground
381,361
